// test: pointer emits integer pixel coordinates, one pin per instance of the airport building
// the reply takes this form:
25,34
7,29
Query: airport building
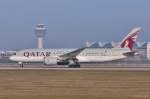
148,51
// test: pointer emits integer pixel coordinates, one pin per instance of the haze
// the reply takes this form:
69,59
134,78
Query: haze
71,22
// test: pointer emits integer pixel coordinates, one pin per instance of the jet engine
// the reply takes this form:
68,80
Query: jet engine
50,61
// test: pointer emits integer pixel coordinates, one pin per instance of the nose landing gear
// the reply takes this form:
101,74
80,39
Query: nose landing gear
20,64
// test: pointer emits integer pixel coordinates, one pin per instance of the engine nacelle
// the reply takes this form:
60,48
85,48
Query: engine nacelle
51,61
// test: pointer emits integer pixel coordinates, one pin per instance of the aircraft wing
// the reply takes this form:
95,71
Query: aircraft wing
73,54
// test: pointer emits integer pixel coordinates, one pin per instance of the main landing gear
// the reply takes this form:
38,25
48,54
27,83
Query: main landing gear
74,64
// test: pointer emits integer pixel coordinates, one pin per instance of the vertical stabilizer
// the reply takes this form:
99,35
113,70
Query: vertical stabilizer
130,39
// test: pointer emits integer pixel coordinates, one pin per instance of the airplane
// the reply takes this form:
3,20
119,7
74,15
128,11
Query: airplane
73,57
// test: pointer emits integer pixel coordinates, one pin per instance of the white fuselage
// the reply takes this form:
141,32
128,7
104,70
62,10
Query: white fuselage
87,55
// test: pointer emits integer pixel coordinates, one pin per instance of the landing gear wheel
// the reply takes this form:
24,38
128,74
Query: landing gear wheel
74,65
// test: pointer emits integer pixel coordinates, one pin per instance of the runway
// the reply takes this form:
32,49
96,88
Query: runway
80,69
135,67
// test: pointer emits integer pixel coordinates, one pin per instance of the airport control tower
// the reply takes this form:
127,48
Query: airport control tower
40,31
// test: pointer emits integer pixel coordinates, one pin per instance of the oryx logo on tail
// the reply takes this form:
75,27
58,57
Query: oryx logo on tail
130,39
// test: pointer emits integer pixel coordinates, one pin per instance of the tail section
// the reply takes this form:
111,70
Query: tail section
130,39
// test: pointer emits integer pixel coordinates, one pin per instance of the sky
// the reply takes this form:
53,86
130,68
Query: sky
71,22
